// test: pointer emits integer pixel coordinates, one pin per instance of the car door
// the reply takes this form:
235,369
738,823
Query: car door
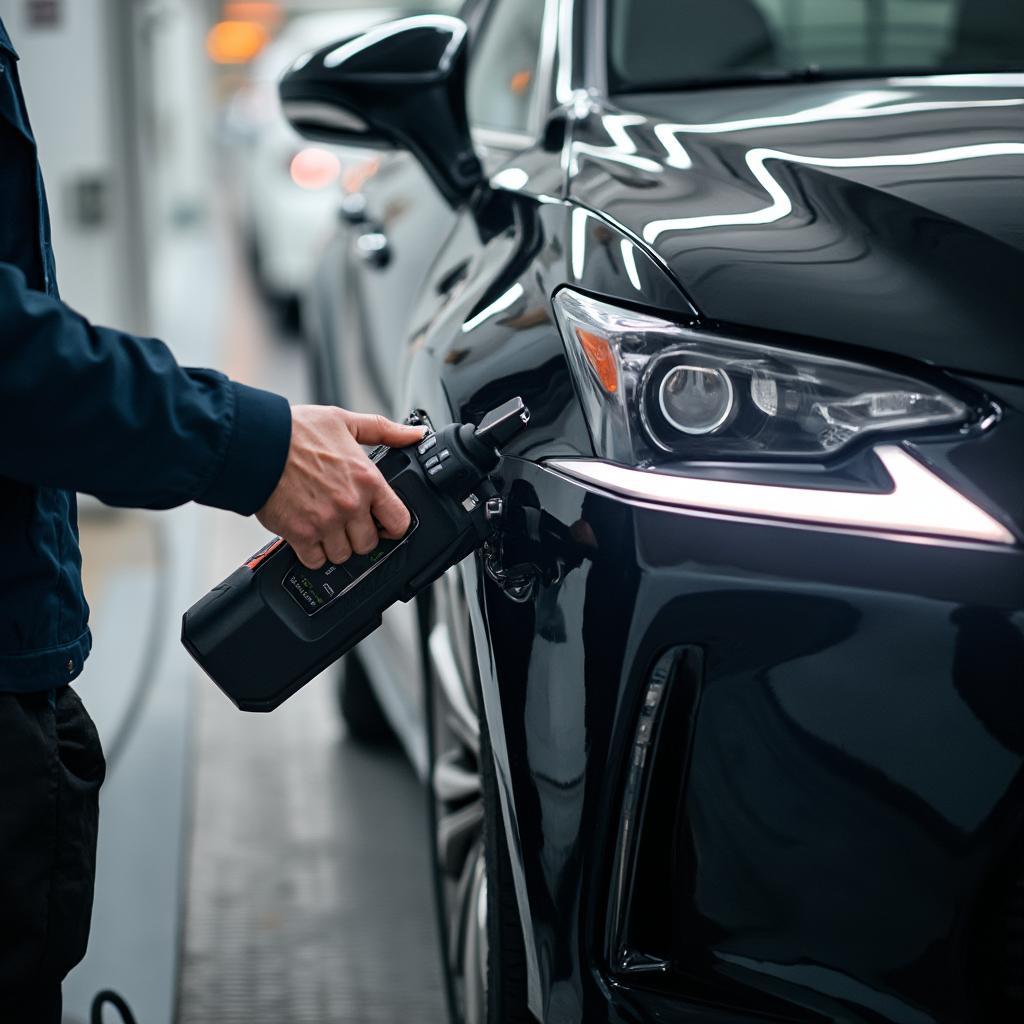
406,226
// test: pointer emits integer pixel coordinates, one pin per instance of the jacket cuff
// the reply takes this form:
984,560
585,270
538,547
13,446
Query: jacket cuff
256,453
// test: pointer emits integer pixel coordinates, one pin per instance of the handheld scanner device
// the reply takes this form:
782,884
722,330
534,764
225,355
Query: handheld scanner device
273,624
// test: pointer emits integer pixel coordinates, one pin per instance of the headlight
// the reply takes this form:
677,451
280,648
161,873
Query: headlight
652,389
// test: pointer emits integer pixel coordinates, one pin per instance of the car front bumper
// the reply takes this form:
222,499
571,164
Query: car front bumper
828,804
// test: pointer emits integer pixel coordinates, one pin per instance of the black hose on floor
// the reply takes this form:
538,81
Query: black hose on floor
113,999
152,648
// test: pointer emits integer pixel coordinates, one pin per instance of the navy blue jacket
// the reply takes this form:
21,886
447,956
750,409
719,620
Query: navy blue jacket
90,409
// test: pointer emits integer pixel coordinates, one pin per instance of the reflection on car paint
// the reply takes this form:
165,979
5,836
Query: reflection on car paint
781,205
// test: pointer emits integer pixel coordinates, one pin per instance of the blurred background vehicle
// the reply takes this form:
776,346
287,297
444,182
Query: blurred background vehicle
287,188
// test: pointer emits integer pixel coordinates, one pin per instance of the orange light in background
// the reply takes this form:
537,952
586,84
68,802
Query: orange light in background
236,42
601,357
314,168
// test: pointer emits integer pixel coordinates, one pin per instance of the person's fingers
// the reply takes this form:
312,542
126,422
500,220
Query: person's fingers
368,428
362,534
389,511
311,555
338,547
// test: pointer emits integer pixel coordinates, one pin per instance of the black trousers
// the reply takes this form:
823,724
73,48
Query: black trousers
51,770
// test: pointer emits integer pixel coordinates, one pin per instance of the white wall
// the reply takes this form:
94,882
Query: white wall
66,75
117,94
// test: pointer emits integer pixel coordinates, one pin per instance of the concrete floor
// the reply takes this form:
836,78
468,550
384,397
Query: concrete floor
308,894
252,868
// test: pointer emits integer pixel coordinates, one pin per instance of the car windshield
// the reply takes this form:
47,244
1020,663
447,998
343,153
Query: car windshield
664,43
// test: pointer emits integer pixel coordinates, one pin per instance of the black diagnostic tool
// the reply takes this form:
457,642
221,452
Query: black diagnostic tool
273,624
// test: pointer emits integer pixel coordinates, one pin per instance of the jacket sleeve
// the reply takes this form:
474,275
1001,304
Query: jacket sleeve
92,409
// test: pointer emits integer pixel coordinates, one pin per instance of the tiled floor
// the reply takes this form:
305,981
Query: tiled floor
309,888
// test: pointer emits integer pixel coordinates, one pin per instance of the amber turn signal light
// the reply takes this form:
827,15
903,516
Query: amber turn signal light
601,357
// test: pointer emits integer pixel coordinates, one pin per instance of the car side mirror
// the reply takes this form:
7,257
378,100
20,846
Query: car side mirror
401,84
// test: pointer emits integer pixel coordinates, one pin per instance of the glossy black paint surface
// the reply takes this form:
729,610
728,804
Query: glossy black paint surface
849,786
842,838
400,84
870,213
808,677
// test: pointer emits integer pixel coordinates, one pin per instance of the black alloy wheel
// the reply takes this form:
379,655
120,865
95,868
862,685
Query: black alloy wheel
482,951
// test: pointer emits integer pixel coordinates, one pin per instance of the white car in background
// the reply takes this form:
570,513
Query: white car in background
288,189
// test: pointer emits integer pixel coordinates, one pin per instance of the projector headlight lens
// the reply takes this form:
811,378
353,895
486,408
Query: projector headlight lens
652,389
695,400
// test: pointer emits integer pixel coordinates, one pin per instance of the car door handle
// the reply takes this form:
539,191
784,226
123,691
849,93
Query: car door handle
352,208
373,248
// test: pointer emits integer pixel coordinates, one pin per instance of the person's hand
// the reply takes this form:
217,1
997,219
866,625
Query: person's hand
330,494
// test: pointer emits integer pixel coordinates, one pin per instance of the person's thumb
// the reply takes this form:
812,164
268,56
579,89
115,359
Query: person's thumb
367,428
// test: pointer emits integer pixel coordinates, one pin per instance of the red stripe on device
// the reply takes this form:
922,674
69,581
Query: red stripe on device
264,553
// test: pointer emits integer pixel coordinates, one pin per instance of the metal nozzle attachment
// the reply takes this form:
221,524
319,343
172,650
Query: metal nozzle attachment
482,445
500,425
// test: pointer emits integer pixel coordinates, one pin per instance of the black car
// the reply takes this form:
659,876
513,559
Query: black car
726,721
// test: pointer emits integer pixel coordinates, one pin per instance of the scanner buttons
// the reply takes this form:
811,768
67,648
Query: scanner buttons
432,463
433,466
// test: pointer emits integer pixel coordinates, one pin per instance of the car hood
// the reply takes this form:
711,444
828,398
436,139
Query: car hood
885,213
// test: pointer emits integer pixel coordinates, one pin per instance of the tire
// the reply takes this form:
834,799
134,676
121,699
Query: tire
285,309
482,953
359,707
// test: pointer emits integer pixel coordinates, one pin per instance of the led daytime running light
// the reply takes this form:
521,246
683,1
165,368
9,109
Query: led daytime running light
920,502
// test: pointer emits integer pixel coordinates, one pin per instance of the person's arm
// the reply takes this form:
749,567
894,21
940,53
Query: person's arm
92,409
